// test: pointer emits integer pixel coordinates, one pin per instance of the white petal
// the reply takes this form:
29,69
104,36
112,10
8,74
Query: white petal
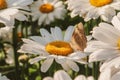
108,14
46,64
58,4
116,76
104,35
110,28
42,19
65,66
48,78
105,75
51,17
61,75
22,2
27,41
11,11
116,22
93,13
27,48
111,63
58,34
21,17
77,55
103,54
48,37
36,59
38,39
80,77
72,65
89,37
68,33
90,78
60,59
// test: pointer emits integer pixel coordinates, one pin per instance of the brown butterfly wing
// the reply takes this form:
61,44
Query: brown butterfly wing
78,40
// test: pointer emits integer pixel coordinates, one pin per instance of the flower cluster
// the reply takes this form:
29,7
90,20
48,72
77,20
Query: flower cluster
60,39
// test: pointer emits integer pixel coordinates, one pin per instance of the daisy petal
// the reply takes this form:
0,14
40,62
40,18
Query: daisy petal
36,59
48,78
80,77
38,39
58,33
65,66
68,33
103,54
21,17
116,76
61,75
46,64
77,55
72,65
105,75
48,37
116,22
112,63
98,31
22,2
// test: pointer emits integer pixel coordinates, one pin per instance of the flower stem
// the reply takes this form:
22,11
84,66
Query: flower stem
16,54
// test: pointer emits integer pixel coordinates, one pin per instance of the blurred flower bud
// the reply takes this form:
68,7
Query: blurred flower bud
23,58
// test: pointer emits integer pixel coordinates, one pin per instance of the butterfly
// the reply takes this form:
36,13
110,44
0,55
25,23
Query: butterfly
78,40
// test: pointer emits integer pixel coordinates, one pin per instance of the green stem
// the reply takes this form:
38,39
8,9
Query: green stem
16,54
86,70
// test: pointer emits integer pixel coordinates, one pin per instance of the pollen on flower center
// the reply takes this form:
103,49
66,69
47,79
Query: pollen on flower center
99,3
59,48
3,4
46,8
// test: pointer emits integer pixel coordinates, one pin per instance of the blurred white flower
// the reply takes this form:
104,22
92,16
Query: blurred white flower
10,10
54,46
108,46
92,9
110,74
62,75
46,11
3,77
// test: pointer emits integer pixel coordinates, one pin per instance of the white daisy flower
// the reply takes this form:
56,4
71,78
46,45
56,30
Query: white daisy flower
46,11
52,47
10,10
3,77
92,9
110,74
108,46
62,75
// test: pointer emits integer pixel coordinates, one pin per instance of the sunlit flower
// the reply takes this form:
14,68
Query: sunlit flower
52,47
108,46
3,77
10,10
62,75
46,11
110,74
92,9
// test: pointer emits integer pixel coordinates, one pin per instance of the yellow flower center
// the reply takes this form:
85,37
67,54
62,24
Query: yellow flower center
3,4
59,48
118,43
99,3
46,8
